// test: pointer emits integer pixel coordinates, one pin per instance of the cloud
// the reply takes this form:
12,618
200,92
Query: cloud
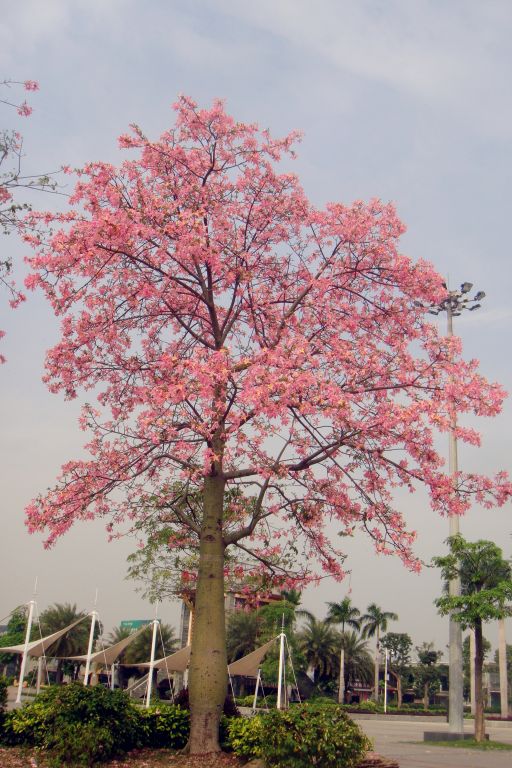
454,55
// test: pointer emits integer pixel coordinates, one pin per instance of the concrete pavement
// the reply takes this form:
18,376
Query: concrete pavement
402,740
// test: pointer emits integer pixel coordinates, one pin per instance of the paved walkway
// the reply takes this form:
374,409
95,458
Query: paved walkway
402,740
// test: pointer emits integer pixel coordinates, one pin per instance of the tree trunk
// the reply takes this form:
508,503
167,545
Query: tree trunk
479,693
341,691
426,697
376,671
208,663
399,695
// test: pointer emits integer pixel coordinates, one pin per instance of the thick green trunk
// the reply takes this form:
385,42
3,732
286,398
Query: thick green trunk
208,663
479,692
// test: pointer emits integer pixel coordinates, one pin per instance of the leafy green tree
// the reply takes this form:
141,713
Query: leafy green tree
398,646
140,650
427,673
358,660
242,633
167,563
319,643
466,661
343,613
375,621
73,643
486,595
15,634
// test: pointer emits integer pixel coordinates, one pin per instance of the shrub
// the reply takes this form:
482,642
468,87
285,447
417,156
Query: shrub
76,725
303,736
230,708
165,725
245,736
3,693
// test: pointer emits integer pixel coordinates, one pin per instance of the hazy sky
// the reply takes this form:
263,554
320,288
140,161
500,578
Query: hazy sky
406,100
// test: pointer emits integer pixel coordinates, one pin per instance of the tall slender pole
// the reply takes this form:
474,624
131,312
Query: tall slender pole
386,682
39,674
502,658
341,689
255,700
94,616
454,303
281,667
152,663
455,694
31,607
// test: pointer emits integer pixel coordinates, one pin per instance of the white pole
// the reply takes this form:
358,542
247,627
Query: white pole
94,616
112,673
151,663
31,607
386,682
256,691
189,642
502,657
281,670
39,673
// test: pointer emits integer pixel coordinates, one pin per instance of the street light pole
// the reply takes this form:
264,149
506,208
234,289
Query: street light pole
454,304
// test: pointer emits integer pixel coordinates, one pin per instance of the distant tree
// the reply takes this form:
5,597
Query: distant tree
466,666
375,621
427,673
343,613
486,595
140,650
14,635
319,643
398,646
13,179
242,633
358,661
74,643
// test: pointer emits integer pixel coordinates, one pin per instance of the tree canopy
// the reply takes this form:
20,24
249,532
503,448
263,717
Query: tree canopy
238,338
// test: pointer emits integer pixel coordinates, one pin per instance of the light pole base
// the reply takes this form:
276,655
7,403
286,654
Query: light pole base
449,736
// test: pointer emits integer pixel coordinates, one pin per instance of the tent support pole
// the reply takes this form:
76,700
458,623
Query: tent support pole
255,701
89,648
31,606
39,673
281,668
152,663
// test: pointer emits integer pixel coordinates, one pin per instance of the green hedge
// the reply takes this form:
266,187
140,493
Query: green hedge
303,736
75,725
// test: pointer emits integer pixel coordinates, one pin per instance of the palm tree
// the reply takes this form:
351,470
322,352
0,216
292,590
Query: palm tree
374,621
140,650
73,643
242,632
343,613
319,643
358,660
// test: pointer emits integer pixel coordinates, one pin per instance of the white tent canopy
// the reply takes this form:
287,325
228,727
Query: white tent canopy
37,648
249,665
108,655
176,662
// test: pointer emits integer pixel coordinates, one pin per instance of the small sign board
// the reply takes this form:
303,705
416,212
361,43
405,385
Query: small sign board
134,624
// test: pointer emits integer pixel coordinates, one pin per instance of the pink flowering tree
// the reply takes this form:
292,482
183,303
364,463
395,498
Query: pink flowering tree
273,359
12,179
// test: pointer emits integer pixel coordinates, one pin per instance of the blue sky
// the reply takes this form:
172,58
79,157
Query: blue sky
406,100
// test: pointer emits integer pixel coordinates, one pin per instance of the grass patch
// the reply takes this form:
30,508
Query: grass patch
484,746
